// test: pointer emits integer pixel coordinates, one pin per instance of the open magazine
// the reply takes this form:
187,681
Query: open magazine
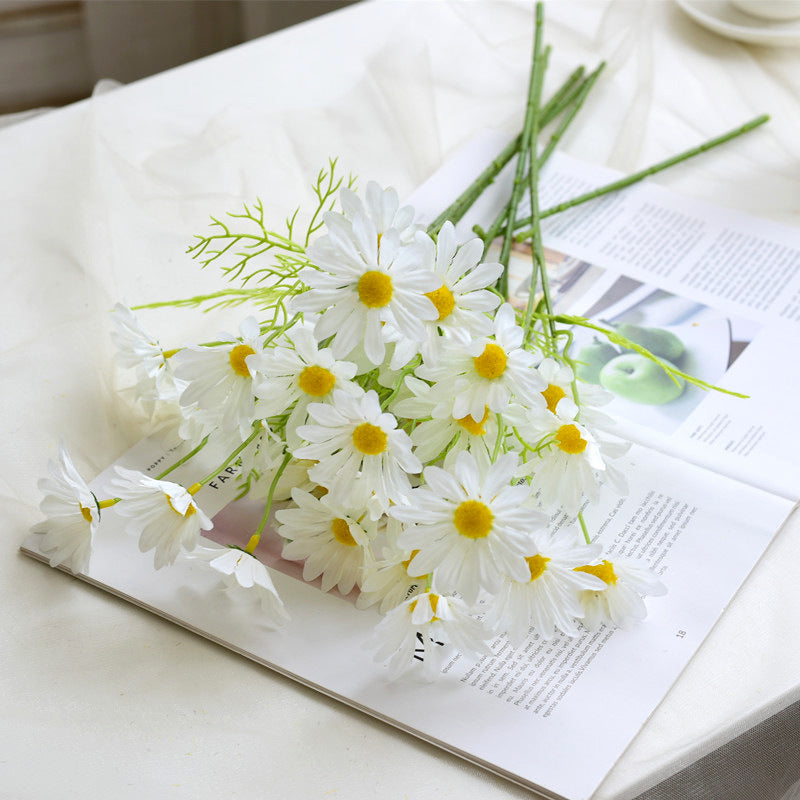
710,485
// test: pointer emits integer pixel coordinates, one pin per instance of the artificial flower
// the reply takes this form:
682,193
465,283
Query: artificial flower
329,538
471,529
72,515
219,379
489,371
243,575
361,453
414,633
548,600
162,514
364,278
619,602
299,373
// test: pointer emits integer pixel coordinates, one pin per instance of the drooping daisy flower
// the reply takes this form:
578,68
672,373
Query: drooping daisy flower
462,301
620,601
220,379
364,279
139,350
387,580
489,371
471,529
72,515
572,464
413,634
361,452
162,514
328,537
245,577
295,375
548,600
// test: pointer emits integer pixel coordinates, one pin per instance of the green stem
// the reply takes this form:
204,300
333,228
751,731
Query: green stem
531,119
256,537
577,96
213,474
456,210
644,173
183,460
584,528
539,264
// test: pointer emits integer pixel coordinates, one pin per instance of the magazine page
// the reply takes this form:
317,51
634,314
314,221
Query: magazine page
551,715
714,291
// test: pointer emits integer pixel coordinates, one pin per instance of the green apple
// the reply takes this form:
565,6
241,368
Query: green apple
661,343
592,358
640,380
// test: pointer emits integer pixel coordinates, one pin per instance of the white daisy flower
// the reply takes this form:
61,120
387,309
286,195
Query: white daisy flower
361,452
471,529
245,577
463,301
387,580
162,514
295,375
330,539
220,379
489,371
439,430
382,207
571,463
72,515
364,279
620,601
548,600
139,350
414,634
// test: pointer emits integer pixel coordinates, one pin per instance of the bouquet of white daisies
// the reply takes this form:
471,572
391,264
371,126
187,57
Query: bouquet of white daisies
416,441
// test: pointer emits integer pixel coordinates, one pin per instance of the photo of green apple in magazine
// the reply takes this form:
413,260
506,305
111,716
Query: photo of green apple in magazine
694,338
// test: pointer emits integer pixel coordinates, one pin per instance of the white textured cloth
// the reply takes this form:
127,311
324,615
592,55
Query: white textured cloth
98,204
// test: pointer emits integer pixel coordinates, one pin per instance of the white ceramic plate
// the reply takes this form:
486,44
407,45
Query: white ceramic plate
724,18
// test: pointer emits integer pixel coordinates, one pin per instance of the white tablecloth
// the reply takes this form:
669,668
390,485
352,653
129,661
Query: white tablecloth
98,203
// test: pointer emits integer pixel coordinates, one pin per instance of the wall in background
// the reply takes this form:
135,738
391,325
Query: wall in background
52,52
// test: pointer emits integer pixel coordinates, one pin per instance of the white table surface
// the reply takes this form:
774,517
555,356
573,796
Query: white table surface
98,202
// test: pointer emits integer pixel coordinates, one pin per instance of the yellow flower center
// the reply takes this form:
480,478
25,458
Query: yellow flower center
86,513
491,363
316,381
475,428
569,439
434,602
369,439
189,510
238,356
341,532
604,571
444,301
537,565
552,394
375,289
473,519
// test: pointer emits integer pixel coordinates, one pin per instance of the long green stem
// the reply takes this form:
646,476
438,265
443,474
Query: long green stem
229,460
183,460
456,210
585,530
641,174
575,97
256,537
531,120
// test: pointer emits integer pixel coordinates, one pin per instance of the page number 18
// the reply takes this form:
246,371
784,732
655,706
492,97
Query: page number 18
681,634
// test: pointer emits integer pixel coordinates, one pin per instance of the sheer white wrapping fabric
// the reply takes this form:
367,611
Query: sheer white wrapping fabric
98,204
